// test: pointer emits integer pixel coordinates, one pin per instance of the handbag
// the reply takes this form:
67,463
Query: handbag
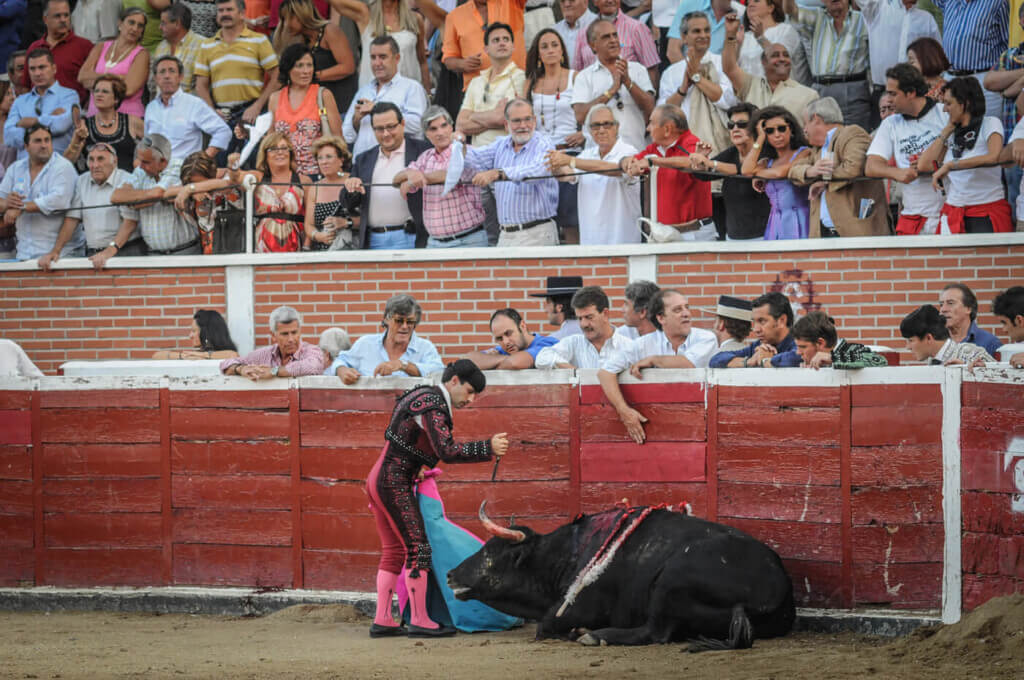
229,231
325,126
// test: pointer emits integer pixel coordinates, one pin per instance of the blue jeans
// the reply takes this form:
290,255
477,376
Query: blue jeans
475,240
392,240
1012,177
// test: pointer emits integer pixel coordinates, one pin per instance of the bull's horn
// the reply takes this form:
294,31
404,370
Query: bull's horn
512,535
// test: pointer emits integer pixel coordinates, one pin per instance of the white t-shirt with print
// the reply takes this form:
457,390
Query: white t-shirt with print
977,186
905,139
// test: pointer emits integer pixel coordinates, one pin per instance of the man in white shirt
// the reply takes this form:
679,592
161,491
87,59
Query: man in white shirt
181,117
625,86
904,136
389,86
635,315
676,344
109,230
576,17
886,20
598,339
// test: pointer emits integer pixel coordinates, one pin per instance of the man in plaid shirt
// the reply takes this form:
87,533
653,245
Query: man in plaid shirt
455,219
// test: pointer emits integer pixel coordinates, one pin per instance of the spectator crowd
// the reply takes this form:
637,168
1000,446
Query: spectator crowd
129,128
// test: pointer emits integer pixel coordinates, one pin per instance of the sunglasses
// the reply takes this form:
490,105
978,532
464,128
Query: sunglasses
399,321
618,102
733,124
603,125
773,130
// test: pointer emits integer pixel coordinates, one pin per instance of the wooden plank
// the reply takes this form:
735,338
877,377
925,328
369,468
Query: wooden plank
231,424
232,565
332,531
101,567
980,553
101,460
815,584
990,395
650,462
341,463
16,531
897,395
166,516
806,503
506,396
884,425
575,445
516,498
995,442
524,425
329,496
16,399
295,486
39,549
230,399
243,492
349,400
648,393
990,513
15,426
101,495
524,462
100,425
769,463
666,423
596,497
845,483
15,462
979,589
917,586
127,398
906,463
339,569
103,530
713,468
16,497
987,470
896,543
794,540
17,567
783,427
773,398
267,457
232,527
910,505
352,429
1000,420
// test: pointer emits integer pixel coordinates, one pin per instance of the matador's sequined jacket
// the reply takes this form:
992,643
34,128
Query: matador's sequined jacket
421,428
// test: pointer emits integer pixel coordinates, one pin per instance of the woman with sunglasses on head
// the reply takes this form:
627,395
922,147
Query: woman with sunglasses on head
120,130
394,18
124,56
279,204
968,149
778,142
549,86
208,338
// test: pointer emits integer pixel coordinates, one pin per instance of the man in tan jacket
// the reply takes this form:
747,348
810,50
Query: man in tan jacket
838,207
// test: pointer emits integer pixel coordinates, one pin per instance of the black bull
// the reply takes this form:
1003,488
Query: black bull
675,578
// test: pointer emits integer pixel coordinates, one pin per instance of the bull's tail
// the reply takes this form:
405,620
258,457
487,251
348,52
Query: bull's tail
741,635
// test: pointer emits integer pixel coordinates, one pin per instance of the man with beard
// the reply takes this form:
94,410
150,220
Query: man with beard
517,347
676,344
598,338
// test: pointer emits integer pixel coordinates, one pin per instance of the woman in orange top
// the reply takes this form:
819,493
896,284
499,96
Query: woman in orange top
295,109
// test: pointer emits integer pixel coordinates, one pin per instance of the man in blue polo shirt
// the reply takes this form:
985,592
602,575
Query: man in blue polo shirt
517,348
775,346
958,305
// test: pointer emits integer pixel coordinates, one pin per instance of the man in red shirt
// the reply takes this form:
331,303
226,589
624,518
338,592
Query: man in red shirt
69,50
683,200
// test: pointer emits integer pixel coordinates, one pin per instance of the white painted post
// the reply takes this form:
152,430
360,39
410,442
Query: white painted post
642,267
249,183
238,293
952,576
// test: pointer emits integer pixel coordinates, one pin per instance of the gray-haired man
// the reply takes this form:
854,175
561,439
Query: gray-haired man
453,220
163,229
287,357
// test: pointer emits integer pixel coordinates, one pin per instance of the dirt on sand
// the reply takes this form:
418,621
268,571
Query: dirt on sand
310,641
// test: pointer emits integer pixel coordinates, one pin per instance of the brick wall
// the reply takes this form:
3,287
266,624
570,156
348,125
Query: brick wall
129,313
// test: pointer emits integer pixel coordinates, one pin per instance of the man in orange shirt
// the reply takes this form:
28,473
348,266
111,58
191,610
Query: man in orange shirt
463,50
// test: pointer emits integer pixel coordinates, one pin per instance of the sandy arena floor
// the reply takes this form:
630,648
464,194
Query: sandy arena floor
310,641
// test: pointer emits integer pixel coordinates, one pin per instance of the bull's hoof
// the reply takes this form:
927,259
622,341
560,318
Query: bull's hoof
589,640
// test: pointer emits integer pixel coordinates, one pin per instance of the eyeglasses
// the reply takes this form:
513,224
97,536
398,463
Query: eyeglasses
773,130
279,149
521,121
603,125
386,128
404,321
733,124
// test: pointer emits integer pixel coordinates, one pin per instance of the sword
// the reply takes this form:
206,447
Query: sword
494,472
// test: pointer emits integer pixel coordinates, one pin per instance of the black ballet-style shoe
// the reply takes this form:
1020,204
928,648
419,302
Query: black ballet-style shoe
420,632
378,631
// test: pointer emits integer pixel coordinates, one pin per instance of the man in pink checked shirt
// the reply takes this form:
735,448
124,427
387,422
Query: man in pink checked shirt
288,357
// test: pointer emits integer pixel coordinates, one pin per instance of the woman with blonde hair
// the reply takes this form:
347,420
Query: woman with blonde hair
278,201
394,18
124,56
334,63
332,213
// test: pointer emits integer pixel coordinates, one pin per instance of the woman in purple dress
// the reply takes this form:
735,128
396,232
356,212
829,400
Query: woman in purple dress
770,162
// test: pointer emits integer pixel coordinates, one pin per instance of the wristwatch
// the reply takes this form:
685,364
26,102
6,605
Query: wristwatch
275,370
572,164
695,78
113,244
